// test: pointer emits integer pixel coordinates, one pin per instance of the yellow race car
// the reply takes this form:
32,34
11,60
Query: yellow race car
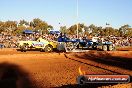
41,44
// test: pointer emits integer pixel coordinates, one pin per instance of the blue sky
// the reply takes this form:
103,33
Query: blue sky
98,12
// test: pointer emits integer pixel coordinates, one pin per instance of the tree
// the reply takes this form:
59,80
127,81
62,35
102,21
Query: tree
38,24
50,27
129,32
31,24
73,29
93,29
23,22
1,26
63,29
123,30
10,26
20,29
109,31
86,30
100,31
116,32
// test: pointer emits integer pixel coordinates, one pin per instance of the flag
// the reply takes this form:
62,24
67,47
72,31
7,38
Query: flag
107,24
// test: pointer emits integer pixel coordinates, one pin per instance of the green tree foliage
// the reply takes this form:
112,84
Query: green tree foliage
31,24
73,29
100,31
1,26
63,29
108,31
20,29
38,24
50,27
23,22
86,30
93,29
129,32
10,26
123,30
116,32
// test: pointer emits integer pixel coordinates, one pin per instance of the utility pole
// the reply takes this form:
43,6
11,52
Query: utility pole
77,20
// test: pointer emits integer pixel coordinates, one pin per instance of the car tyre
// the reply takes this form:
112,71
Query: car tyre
48,48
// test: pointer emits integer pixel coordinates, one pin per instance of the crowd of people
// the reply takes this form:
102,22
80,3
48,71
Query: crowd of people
10,41
121,41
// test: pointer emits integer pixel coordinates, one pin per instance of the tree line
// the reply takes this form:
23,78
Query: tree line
14,27
123,31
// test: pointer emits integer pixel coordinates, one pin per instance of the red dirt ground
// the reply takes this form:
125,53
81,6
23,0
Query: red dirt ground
34,69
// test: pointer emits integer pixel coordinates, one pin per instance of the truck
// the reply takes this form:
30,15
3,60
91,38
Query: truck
85,44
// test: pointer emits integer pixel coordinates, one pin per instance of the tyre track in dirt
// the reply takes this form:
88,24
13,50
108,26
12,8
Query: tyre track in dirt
115,85
98,67
52,69
114,62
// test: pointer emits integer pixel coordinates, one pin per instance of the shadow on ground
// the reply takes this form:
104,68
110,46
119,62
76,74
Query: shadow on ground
12,76
103,58
28,50
107,59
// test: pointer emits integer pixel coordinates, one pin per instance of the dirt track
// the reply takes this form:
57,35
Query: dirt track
40,69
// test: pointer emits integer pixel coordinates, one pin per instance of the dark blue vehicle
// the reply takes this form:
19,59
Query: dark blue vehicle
1,46
54,32
72,44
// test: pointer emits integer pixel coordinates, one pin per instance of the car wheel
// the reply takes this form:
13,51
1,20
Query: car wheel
110,47
104,47
48,48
